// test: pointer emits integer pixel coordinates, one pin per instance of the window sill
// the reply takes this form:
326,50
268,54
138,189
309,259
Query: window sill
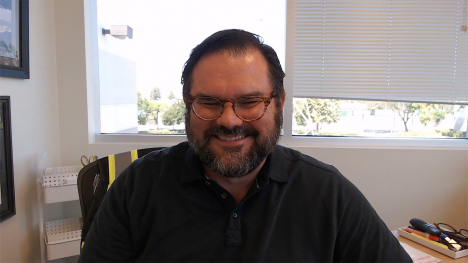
376,143
302,141
153,140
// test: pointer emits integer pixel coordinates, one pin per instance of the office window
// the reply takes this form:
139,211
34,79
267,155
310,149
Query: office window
380,68
139,78
334,117
377,69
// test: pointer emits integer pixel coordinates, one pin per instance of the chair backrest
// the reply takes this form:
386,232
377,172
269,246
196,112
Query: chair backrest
95,178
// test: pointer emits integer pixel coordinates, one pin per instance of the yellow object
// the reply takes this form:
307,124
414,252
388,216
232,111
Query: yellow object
432,241
134,155
111,159
82,244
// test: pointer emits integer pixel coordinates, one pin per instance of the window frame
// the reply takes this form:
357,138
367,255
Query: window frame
287,139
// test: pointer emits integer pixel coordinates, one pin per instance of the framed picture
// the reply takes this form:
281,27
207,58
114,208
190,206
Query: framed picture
7,188
14,38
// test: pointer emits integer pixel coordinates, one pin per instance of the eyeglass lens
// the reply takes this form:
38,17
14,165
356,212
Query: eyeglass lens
445,227
464,232
246,108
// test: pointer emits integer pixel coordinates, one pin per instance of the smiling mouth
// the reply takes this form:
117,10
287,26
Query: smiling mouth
224,138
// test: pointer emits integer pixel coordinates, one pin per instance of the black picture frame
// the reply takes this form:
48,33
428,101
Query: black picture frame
17,66
7,195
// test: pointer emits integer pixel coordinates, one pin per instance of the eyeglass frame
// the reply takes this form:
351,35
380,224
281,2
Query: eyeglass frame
457,234
266,101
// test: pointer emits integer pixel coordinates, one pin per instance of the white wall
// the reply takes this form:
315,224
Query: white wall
35,130
49,115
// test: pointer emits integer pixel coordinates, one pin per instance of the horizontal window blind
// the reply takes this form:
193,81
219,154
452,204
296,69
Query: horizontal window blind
408,50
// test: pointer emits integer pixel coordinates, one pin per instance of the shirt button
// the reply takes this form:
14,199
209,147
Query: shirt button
234,215
207,183
224,195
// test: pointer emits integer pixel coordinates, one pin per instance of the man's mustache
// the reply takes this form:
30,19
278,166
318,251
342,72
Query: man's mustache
221,130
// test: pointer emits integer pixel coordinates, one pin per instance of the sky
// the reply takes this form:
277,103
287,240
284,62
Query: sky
165,32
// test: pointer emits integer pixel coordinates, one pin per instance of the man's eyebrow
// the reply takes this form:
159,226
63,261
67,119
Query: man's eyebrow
251,94
201,94
256,93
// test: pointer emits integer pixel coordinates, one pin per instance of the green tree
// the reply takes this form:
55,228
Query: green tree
427,111
156,108
435,112
171,96
318,111
405,111
174,114
155,94
142,119
142,103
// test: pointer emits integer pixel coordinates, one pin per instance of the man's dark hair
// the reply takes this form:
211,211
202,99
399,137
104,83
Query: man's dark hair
235,41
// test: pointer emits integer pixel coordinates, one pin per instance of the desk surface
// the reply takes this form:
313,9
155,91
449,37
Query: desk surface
431,252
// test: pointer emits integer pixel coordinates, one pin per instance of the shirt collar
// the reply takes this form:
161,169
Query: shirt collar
274,167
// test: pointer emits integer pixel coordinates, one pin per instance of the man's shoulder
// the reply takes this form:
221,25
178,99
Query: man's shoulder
295,157
175,152
160,168
167,161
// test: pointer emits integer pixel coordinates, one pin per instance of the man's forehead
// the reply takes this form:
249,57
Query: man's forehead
231,75
248,53
228,60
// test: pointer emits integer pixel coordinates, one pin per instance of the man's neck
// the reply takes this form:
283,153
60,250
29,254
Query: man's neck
237,187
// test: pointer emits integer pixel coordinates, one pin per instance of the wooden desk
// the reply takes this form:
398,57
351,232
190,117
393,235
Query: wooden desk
431,252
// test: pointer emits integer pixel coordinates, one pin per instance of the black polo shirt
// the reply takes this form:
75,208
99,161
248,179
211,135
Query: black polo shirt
162,208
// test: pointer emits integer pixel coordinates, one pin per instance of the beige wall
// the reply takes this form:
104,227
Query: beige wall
35,130
49,115
402,184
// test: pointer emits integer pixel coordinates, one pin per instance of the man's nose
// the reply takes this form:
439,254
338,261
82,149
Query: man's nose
229,118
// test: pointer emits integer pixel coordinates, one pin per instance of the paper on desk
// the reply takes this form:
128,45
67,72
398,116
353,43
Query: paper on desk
418,256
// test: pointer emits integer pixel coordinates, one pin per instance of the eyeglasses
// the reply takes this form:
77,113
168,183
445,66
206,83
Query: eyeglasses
459,236
246,108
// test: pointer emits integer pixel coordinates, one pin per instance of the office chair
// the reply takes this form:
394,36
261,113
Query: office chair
95,178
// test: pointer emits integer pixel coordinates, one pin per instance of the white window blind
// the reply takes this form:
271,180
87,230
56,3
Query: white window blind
400,50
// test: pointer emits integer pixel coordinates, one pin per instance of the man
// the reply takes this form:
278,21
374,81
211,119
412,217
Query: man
231,193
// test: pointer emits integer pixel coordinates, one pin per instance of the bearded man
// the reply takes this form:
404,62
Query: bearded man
231,193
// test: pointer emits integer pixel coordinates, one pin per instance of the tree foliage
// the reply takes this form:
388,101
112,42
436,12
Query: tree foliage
142,103
316,111
156,108
155,94
151,109
174,114
142,119
406,110
433,112
171,96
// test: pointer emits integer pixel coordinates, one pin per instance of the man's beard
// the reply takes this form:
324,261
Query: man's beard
233,163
